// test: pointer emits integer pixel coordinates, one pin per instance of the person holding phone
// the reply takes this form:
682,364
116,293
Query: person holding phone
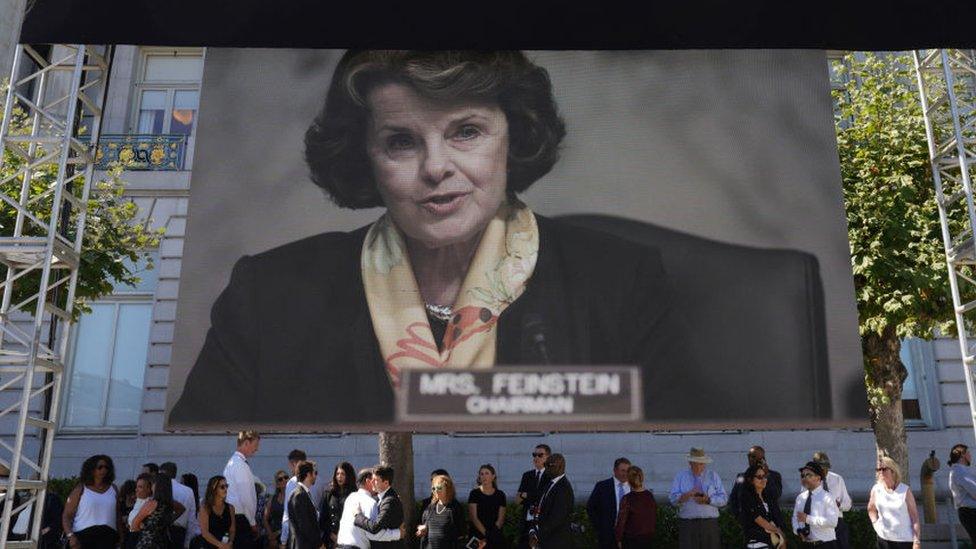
698,494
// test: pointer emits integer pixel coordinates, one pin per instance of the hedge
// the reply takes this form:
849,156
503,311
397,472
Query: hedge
666,534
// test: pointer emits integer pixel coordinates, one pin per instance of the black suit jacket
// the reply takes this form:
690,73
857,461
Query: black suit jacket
388,515
602,510
771,495
301,308
555,510
533,488
303,522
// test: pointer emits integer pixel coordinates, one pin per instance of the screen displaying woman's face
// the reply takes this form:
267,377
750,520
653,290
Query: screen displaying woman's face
440,166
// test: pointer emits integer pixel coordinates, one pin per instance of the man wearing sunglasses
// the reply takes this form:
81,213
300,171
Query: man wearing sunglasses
534,482
304,531
815,512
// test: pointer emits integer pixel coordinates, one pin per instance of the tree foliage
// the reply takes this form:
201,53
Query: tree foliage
900,277
115,239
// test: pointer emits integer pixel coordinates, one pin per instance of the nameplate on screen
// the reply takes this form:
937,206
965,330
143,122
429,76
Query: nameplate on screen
523,393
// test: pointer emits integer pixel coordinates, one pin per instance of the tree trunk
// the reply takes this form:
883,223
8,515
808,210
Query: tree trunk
396,450
885,375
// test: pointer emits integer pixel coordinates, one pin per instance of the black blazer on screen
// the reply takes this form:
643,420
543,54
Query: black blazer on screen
293,328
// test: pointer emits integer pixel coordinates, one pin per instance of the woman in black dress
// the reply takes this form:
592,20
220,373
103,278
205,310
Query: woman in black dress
157,515
486,509
757,520
343,484
442,522
127,501
275,510
216,518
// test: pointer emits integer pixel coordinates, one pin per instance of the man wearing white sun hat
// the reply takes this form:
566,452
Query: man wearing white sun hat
698,494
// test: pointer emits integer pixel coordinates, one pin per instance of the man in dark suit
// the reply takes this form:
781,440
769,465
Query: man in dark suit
303,531
604,503
534,482
390,513
552,529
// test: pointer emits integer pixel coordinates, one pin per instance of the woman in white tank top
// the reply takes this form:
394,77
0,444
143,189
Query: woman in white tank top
892,509
91,515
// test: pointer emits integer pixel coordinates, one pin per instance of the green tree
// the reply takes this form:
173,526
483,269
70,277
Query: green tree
900,277
115,239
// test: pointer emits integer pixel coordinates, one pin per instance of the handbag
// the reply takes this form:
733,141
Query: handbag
776,539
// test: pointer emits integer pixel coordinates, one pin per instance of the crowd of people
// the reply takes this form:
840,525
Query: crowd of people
361,510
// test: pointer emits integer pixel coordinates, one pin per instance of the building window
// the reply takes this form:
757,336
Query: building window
108,360
919,397
167,91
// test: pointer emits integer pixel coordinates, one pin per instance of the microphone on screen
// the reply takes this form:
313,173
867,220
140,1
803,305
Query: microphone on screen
534,336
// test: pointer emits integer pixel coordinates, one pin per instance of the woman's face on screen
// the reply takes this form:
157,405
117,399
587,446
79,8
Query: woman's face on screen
440,167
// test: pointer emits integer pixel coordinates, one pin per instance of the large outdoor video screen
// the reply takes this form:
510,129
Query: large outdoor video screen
509,240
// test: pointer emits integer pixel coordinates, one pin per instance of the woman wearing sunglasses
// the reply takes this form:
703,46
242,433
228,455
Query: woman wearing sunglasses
442,524
91,515
892,509
758,527
216,517
275,510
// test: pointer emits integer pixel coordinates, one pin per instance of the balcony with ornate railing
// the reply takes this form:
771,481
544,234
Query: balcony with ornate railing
142,152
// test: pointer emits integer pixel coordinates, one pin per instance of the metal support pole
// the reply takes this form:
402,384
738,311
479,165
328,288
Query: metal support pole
42,252
946,90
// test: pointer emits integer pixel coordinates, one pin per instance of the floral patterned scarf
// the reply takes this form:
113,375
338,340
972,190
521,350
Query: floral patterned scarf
501,266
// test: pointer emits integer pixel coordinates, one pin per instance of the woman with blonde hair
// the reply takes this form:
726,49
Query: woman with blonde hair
637,516
442,523
892,508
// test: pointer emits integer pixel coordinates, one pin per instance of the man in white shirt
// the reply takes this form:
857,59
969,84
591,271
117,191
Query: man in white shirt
241,492
362,501
835,485
185,523
698,494
815,512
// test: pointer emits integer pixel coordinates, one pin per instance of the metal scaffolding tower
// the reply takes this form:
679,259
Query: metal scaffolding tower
49,132
947,89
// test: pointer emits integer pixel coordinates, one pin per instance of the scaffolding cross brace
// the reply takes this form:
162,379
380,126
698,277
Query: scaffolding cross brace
947,90
49,154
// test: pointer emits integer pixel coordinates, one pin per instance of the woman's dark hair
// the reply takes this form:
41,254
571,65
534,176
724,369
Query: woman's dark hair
335,143
957,452
210,498
340,490
494,482
190,481
87,474
162,489
127,489
750,475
